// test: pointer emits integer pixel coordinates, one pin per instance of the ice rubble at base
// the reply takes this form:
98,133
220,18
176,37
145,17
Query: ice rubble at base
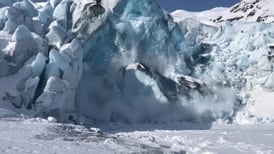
123,60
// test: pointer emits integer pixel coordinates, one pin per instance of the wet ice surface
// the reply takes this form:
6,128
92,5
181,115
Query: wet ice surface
41,136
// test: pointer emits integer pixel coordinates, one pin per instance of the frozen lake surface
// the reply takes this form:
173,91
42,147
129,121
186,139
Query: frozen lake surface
41,136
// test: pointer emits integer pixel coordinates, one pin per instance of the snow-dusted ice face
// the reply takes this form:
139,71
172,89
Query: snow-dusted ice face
85,14
138,31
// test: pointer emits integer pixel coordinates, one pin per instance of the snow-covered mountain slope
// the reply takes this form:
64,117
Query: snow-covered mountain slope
203,16
246,10
251,10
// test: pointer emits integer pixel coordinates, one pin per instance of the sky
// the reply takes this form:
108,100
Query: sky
194,5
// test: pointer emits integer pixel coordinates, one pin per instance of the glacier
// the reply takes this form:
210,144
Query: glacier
129,61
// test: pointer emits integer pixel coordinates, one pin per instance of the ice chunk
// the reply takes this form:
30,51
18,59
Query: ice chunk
22,33
14,100
57,35
13,16
87,17
243,62
45,14
29,91
62,14
16,17
51,119
27,6
57,64
41,43
54,3
5,3
38,65
23,48
139,83
73,53
54,96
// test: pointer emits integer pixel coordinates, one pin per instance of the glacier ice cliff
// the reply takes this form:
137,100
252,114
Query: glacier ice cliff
123,60
240,56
